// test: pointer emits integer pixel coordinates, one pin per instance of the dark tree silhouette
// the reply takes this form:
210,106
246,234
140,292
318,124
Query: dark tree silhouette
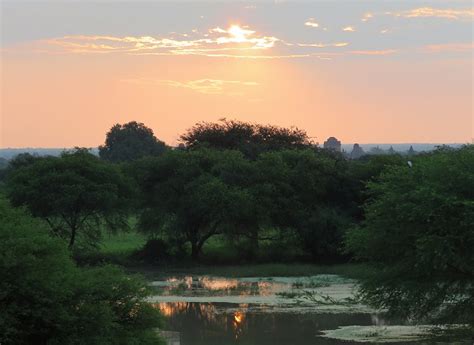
76,194
130,141
251,139
418,234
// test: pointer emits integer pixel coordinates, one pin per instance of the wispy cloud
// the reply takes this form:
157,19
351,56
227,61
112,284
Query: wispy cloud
311,22
367,17
427,12
235,38
237,42
323,45
233,42
449,47
205,86
374,52
349,29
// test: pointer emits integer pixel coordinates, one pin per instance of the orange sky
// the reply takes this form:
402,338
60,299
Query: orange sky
54,96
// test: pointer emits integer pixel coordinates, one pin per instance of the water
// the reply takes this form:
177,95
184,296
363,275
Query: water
204,310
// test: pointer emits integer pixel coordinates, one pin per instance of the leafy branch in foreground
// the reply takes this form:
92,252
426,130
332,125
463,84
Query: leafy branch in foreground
47,299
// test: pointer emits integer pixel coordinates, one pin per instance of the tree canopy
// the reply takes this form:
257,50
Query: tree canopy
46,299
76,194
306,192
419,235
130,141
248,138
194,195
200,193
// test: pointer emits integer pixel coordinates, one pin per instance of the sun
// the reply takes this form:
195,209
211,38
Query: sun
239,34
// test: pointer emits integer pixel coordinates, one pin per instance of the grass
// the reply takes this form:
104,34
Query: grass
115,249
124,243
119,248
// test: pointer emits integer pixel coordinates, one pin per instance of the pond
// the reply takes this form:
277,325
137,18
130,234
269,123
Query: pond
206,310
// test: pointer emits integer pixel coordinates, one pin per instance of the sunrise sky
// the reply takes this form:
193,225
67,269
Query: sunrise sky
363,71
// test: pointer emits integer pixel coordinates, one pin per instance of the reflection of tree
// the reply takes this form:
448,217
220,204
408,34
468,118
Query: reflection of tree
215,323
210,286
202,320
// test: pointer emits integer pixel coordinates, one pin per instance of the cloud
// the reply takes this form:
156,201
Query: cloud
373,52
236,42
323,45
430,12
233,42
235,38
311,22
367,17
205,86
449,47
349,29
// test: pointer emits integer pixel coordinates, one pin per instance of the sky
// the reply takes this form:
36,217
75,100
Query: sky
362,71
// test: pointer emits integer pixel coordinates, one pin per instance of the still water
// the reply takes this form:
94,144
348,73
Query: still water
205,310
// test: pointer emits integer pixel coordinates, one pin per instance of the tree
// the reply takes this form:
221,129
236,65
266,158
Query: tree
251,139
76,194
368,168
3,169
194,195
3,163
21,160
130,141
419,236
46,299
306,192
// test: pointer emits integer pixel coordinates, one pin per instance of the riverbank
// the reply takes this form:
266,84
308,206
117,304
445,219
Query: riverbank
349,270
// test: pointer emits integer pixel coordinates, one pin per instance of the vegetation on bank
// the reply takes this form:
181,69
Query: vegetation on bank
46,299
418,233
347,270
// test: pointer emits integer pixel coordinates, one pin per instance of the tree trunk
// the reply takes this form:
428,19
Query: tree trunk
195,249
72,239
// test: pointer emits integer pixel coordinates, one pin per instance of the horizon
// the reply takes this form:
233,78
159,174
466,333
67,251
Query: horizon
365,72
343,145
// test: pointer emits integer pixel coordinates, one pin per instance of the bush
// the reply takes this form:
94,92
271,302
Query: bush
46,299
155,250
419,235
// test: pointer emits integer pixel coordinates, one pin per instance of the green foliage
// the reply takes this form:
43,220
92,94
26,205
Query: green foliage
118,248
3,163
129,142
248,138
76,194
194,195
305,191
366,169
419,234
46,299
22,160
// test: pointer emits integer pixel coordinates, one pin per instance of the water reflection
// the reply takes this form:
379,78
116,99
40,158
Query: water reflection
208,286
204,310
223,324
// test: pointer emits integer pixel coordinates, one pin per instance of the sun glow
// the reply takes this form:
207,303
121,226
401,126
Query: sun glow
239,34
